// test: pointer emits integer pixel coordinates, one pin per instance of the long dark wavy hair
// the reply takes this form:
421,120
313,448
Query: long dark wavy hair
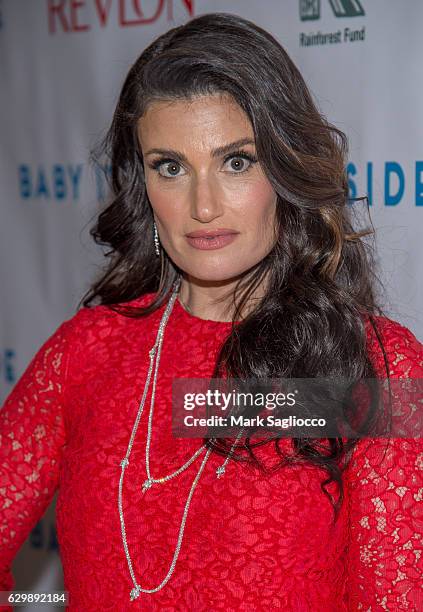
320,289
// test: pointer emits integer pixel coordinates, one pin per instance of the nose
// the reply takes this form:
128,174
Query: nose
206,205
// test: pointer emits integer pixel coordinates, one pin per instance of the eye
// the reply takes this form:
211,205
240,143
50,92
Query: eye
238,161
170,166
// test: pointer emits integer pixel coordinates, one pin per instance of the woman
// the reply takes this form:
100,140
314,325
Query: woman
231,253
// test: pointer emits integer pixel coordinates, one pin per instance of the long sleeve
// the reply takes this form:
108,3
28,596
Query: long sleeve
32,434
385,503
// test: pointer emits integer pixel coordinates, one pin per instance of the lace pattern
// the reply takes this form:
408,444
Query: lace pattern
251,542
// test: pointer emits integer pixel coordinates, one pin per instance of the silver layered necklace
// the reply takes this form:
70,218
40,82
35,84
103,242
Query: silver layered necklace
154,354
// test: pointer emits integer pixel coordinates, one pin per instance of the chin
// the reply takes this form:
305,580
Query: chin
209,267
214,274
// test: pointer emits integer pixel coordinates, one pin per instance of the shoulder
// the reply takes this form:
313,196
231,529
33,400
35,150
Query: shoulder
103,316
375,457
404,352
93,333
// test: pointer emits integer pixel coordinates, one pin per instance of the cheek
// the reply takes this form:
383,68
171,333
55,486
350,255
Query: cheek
260,205
162,200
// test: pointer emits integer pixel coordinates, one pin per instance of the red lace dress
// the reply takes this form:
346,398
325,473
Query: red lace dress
251,542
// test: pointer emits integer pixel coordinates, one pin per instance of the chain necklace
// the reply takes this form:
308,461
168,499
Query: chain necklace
155,352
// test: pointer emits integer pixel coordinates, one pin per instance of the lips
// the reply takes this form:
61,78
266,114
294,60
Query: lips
211,239
211,233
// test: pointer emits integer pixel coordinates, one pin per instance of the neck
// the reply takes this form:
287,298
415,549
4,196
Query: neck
212,300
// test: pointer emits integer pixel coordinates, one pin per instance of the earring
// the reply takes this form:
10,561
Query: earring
156,240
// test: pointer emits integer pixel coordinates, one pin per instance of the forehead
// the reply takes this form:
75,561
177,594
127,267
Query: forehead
206,121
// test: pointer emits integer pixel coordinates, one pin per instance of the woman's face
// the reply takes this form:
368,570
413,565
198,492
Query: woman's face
194,185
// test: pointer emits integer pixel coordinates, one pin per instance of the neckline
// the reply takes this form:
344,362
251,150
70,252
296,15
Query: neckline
194,319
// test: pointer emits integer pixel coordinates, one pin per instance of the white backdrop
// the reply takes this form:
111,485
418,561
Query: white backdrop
62,65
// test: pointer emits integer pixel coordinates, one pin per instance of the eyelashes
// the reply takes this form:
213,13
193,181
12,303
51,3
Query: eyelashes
159,162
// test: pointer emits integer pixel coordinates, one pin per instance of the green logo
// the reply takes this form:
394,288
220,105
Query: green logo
310,9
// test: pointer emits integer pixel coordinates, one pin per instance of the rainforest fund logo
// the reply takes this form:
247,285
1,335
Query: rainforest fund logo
310,11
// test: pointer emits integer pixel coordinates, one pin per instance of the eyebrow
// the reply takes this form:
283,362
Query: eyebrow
215,153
